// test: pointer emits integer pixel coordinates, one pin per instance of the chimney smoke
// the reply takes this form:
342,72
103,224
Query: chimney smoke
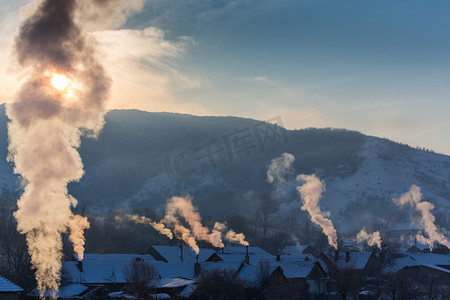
371,238
310,192
183,206
414,198
231,235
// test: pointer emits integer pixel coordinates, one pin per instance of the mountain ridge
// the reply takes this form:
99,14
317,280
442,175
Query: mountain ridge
140,159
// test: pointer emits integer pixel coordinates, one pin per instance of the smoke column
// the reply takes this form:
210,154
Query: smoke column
157,226
231,235
77,226
279,168
183,206
371,238
185,234
414,198
311,191
62,97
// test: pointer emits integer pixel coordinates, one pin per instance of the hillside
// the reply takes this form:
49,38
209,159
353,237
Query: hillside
141,158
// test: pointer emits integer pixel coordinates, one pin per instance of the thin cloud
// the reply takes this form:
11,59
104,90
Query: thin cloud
143,65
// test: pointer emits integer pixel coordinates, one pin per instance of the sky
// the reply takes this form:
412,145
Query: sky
379,67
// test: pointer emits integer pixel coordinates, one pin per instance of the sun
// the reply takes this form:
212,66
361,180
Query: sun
60,82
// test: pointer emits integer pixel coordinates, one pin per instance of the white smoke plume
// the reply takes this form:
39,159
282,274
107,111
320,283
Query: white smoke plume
231,235
185,234
414,198
310,192
280,168
183,206
77,226
63,96
160,227
371,238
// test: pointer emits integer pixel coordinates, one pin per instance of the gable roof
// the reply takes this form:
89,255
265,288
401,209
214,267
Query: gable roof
8,286
291,270
237,254
104,271
357,260
402,260
172,254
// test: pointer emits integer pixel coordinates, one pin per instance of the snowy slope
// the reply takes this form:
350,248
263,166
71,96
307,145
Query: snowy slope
125,168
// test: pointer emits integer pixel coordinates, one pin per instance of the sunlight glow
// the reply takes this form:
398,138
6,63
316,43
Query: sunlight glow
60,82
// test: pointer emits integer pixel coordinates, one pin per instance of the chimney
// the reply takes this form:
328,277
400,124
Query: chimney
278,257
196,268
336,255
80,266
247,258
415,242
170,242
347,256
181,252
223,248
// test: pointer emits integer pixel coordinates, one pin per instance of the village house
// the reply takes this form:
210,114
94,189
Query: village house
306,278
8,290
364,263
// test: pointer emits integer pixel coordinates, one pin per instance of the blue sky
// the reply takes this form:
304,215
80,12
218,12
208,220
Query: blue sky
379,67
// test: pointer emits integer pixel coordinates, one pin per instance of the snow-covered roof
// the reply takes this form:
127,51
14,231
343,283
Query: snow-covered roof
291,270
110,258
65,291
95,272
255,254
173,253
407,226
416,259
7,286
173,282
357,260
296,269
188,291
220,265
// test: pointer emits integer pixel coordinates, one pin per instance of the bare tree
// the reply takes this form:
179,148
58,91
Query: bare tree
265,211
398,287
219,285
15,262
140,277
263,274
345,280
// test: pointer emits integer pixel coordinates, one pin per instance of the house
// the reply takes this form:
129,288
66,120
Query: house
363,262
305,277
106,271
8,290
403,260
